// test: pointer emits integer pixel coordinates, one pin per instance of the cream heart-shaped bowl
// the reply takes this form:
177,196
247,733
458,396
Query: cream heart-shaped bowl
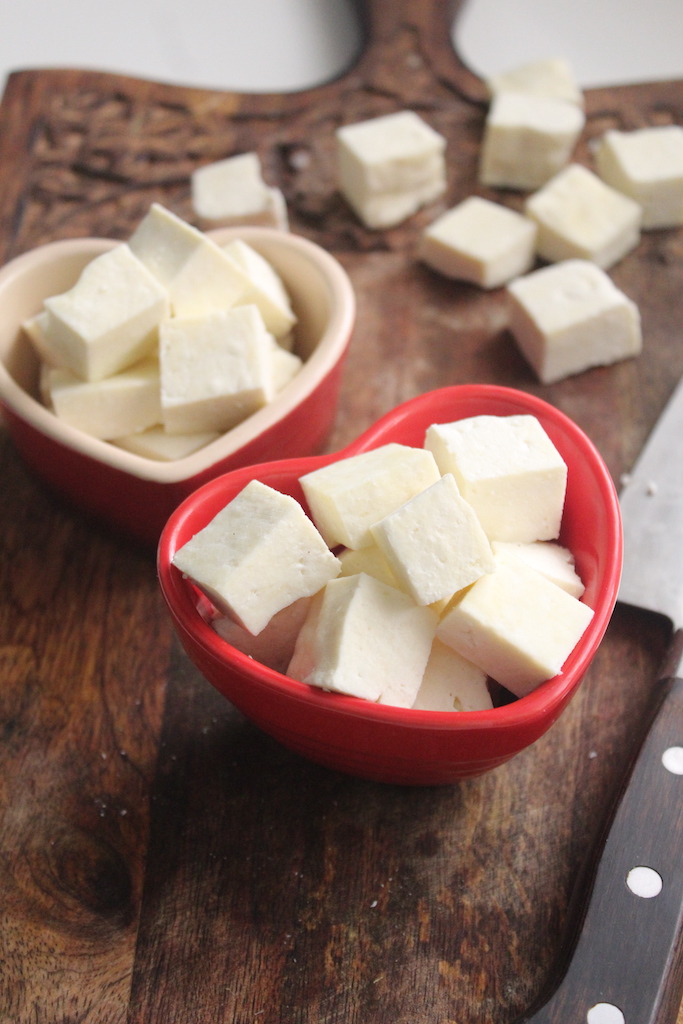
137,494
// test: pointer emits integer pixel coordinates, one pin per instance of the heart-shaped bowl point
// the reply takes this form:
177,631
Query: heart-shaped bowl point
378,741
137,494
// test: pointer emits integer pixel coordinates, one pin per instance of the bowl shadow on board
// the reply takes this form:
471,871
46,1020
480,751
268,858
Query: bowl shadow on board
379,742
136,495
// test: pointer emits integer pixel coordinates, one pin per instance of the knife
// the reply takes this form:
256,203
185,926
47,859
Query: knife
626,966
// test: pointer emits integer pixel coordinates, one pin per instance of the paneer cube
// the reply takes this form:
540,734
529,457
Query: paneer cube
553,561
527,139
580,217
125,403
215,369
274,646
157,444
390,166
508,470
365,639
284,365
109,319
197,273
349,496
571,316
434,543
496,625
481,242
232,192
264,288
36,330
369,560
646,165
451,683
257,556
552,77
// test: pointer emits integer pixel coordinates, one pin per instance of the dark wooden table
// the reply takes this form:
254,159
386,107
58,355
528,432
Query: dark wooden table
160,859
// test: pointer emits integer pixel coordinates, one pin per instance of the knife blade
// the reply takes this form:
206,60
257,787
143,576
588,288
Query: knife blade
626,965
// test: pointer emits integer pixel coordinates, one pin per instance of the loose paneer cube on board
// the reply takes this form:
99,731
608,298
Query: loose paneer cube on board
509,471
347,497
390,166
527,139
571,316
451,683
515,625
580,217
215,369
109,319
552,77
257,556
232,191
434,543
365,639
481,242
123,404
197,273
646,165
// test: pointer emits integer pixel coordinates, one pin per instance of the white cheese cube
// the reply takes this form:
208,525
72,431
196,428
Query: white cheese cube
552,77
258,555
369,560
481,242
109,319
571,316
527,139
197,273
509,471
123,404
387,209
389,166
285,366
215,369
365,639
274,646
232,191
551,560
155,443
45,371
516,626
36,330
264,288
349,496
579,216
646,165
451,683
434,543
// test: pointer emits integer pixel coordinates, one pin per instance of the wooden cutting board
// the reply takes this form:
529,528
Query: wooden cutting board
160,859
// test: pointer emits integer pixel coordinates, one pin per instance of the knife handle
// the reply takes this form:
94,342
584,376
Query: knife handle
626,967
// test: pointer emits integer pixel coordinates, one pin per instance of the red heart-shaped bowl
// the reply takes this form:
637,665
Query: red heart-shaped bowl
376,741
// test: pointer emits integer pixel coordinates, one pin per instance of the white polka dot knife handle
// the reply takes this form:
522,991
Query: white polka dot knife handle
627,964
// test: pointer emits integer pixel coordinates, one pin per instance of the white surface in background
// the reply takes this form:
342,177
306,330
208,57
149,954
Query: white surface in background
607,42
285,45
240,45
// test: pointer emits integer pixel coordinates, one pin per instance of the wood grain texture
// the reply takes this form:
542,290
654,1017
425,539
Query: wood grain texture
160,859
